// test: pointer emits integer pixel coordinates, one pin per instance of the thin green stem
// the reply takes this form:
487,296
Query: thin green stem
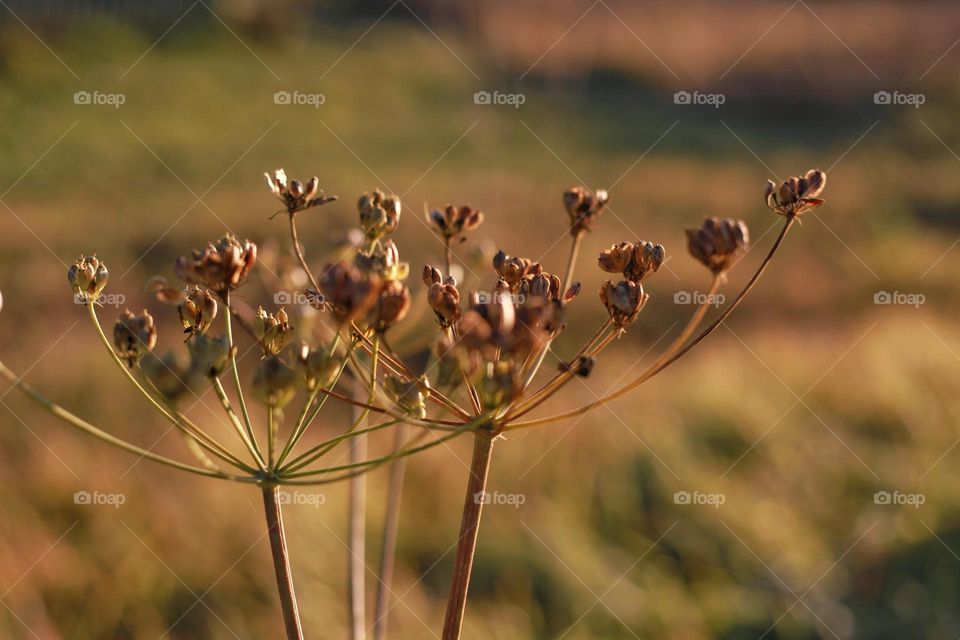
228,408
236,378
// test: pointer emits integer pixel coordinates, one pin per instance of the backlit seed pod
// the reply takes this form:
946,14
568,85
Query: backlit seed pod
172,377
384,261
379,214
294,195
584,207
316,367
408,395
796,195
88,277
209,354
273,330
545,286
453,221
274,382
348,291
390,306
133,336
443,297
431,275
197,311
512,269
647,258
572,292
623,301
220,267
617,258
582,366
718,243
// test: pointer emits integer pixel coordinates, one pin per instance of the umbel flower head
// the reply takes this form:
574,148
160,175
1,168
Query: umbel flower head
584,207
442,296
134,336
220,267
295,195
348,290
512,269
623,301
796,195
636,261
718,243
454,221
379,214
88,277
273,330
384,260
197,311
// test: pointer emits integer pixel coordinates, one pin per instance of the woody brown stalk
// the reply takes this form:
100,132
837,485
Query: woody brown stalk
469,528
281,562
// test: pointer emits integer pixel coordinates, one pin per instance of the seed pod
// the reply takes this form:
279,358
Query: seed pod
379,214
582,366
453,221
617,258
390,306
88,277
796,195
512,269
718,243
584,207
383,261
407,394
443,297
197,311
348,290
317,368
274,382
209,354
623,301
273,330
294,195
133,336
647,258
220,267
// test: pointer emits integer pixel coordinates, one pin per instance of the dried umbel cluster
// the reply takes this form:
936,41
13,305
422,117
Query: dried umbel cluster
487,366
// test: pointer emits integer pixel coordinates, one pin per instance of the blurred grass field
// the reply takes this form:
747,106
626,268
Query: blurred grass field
809,401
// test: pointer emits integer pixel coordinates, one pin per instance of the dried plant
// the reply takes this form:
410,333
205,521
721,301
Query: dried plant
482,379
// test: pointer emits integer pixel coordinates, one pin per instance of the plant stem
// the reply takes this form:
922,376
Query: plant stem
390,527
356,538
469,528
236,377
572,261
281,562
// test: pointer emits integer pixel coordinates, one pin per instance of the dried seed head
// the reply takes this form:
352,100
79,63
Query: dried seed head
390,306
384,260
379,214
453,221
584,207
294,195
273,330
349,291
220,267
133,336
317,368
209,354
274,382
623,300
636,261
408,395
197,311
88,277
512,269
442,296
172,377
796,195
718,243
